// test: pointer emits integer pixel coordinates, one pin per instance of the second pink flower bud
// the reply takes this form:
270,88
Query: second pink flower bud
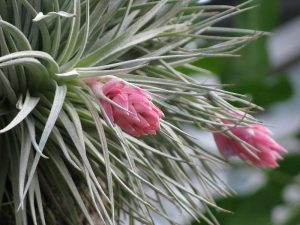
262,149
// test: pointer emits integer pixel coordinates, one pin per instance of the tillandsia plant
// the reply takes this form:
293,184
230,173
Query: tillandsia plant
92,104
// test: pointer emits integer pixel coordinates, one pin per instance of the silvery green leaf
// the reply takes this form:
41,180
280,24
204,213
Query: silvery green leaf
40,16
28,105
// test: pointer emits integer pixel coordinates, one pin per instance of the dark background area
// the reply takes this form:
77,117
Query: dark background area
288,9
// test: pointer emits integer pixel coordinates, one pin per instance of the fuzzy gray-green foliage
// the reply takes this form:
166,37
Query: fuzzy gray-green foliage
61,161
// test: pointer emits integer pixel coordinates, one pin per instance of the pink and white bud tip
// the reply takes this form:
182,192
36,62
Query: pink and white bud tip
263,150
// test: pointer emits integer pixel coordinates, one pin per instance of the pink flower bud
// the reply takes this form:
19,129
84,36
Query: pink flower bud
139,116
265,151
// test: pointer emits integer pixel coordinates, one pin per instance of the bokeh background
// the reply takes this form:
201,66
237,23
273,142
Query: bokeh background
268,71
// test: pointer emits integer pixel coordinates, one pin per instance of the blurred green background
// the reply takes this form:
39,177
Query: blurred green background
276,201
251,73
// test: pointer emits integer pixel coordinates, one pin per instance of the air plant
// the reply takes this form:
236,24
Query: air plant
92,104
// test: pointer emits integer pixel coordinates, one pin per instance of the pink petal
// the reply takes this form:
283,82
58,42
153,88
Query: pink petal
108,109
121,100
224,145
113,86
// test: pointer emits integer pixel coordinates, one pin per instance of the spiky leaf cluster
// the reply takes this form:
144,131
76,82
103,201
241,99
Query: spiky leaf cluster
62,161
